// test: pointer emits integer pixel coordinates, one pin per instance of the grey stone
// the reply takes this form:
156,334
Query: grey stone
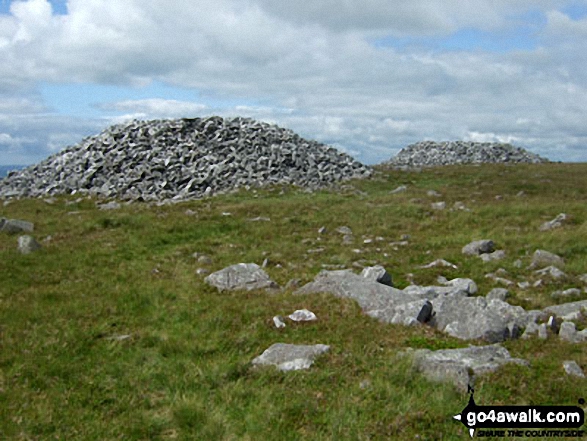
344,230
112,205
432,153
500,280
583,278
462,284
278,322
550,271
370,295
567,309
289,357
438,205
542,258
470,318
28,244
400,189
568,332
496,255
542,332
461,366
498,293
573,369
439,263
303,315
554,223
377,273
242,276
567,293
531,330
478,247
13,226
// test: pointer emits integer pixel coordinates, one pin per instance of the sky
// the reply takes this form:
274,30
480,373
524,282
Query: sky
368,77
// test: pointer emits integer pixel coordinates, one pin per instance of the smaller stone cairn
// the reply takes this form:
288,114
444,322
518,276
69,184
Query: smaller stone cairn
431,153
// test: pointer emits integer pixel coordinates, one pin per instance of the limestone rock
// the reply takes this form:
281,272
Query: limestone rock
470,318
542,258
570,310
567,293
496,255
550,271
460,366
478,247
13,226
289,357
28,244
498,293
377,273
554,223
302,315
242,276
439,263
573,369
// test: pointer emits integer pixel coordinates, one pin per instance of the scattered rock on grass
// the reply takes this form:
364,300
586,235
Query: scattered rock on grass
288,357
542,258
13,226
28,244
555,223
461,366
242,276
478,247
573,369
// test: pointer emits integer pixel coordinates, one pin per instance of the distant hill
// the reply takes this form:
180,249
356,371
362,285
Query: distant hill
4,169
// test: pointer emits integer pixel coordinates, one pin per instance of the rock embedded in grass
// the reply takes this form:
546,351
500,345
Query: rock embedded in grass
542,258
478,247
290,357
242,276
28,244
13,226
572,368
461,366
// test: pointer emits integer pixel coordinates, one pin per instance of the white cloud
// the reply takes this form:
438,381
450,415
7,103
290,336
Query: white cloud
309,66
157,107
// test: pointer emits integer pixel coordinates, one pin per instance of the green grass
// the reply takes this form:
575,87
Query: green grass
184,372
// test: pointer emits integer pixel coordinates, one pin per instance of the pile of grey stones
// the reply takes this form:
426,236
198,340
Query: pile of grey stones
453,307
431,153
184,159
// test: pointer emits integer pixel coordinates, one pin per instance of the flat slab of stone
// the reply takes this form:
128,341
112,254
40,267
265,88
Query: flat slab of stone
14,226
242,276
478,247
369,294
288,357
460,366
542,258
566,309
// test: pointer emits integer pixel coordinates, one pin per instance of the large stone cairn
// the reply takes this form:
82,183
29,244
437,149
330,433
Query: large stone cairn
430,153
184,159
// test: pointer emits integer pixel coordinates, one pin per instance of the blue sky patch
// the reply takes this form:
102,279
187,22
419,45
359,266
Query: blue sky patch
59,6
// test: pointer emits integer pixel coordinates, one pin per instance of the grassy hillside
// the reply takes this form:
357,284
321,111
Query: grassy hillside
108,332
